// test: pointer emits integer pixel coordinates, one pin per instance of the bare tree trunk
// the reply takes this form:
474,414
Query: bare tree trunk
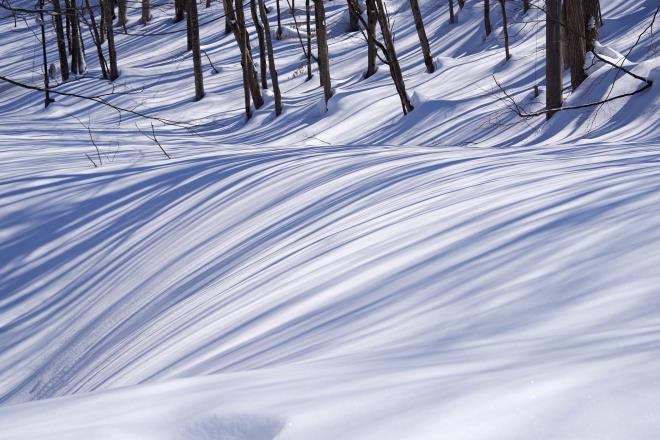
227,23
146,11
68,26
61,42
237,20
487,17
309,40
461,4
592,21
271,60
112,52
189,37
179,10
102,31
353,21
193,23
395,69
75,38
372,21
322,43
246,75
123,15
42,25
262,46
279,21
553,63
575,41
452,19
421,33
97,40
208,3
506,29
525,5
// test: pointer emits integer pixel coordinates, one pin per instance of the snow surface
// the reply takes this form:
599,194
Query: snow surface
455,273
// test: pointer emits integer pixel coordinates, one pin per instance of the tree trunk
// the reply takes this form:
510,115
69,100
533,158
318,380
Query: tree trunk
525,5
179,10
262,46
193,23
227,23
461,4
309,40
146,12
42,24
452,19
102,31
68,26
353,20
279,21
271,59
237,20
575,41
97,40
208,3
372,21
189,37
246,75
592,22
123,15
322,43
110,36
487,17
421,33
61,42
506,29
76,61
553,63
395,69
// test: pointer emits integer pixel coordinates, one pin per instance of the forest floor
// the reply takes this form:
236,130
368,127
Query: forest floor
458,272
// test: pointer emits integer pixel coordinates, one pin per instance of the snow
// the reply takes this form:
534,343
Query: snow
349,273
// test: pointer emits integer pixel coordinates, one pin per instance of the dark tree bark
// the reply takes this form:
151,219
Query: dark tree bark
208,3
97,40
452,19
262,46
592,22
322,43
189,37
506,29
227,23
237,21
110,36
553,63
525,5
102,31
353,21
421,33
271,60
179,10
146,11
575,41
246,76
123,14
68,26
76,55
487,17
193,23
372,21
395,68
309,40
61,42
42,25
461,4
279,21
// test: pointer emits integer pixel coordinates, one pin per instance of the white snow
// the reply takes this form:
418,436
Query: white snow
353,273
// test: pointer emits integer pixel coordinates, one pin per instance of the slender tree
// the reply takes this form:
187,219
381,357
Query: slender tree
553,63
452,19
506,29
461,4
262,46
246,75
322,43
592,21
392,59
309,39
279,21
421,33
193,22
353,21
61,42
525,5
123,14
42,25
227,22
76,53
575,41
110,36
179,10
96,37
372,22
146,12
271,59
487,17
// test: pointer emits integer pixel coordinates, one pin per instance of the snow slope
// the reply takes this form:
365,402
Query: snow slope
343,274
